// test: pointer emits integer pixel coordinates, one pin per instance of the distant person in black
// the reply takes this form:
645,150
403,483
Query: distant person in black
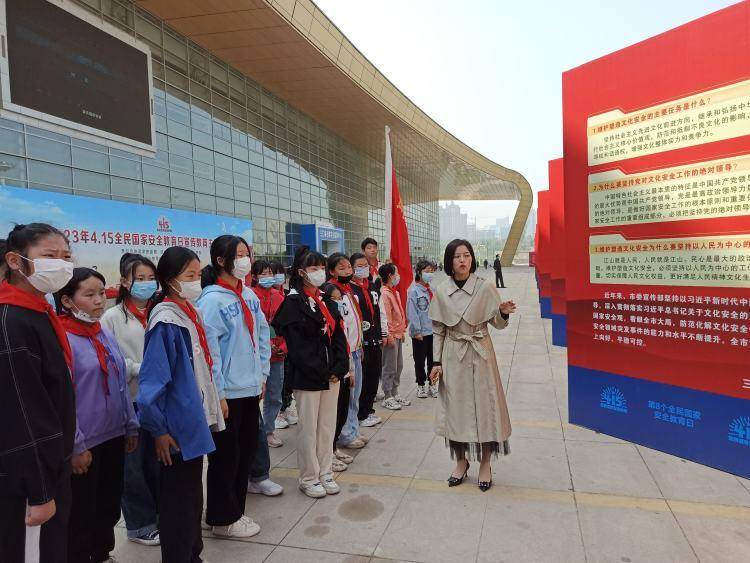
498,272
486,263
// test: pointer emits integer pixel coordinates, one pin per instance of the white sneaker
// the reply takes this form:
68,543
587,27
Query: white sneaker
341,456
338,466
422,392
152,538
391,404
291,414
368,422
274,441
242,528
265,487
331,487
314,490
281,422
376,418
401,401
434,391
356,444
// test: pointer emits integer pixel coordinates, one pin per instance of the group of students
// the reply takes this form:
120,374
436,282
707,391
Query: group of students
110,410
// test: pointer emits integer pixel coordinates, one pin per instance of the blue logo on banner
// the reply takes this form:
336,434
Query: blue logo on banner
613,399
739,431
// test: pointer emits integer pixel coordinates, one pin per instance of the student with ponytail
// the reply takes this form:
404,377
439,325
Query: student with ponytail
240,344
128,321
37,399
318,361
106,426
177,402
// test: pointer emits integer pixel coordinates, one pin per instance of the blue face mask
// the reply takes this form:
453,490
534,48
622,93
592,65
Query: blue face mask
267,282
279,279
395,279
427,276
143,290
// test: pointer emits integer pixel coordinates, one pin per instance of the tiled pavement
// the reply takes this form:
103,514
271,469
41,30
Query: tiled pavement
564,494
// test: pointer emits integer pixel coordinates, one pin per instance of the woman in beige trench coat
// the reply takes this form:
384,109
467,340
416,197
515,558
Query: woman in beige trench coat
471,414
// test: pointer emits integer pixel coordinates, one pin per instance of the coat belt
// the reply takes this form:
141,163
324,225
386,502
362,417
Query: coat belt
465,340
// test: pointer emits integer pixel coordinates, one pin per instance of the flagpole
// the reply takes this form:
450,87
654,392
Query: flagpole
388,190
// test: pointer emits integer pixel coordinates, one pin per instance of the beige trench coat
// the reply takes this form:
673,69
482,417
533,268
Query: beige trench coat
471,403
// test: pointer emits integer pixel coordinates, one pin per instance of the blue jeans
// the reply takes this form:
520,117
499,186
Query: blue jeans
272,398
140,489
351,428
260,466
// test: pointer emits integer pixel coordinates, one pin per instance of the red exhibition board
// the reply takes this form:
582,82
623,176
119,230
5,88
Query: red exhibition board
544,255
657,222
557,258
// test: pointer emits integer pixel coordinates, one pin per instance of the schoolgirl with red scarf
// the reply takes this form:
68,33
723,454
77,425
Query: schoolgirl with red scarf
106,424
37,399
318,361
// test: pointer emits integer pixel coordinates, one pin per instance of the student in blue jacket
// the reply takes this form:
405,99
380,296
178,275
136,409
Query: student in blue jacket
177,402
418,299
240,343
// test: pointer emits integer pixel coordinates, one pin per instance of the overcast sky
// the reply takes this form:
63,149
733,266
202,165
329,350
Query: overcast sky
489,71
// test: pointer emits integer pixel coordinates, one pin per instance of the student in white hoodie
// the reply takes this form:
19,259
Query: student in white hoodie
240,342
127,321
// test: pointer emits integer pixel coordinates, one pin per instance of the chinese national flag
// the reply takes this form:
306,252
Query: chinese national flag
399,247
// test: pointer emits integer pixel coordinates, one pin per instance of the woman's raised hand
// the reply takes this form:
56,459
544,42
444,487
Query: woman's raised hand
507,307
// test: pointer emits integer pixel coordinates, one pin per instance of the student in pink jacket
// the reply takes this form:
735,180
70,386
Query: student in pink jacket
393,359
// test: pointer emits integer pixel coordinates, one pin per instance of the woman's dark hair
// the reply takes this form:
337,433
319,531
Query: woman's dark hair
368,240
257,270
450,252
386,271
356,256
422,265
328,290
304,258
80,275
171,264
128,265
333,261
277,267
224,247
21,237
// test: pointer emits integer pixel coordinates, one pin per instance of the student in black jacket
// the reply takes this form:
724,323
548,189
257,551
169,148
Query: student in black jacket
318,360
37,402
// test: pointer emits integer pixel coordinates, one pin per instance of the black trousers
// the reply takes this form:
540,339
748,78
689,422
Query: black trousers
422,351
53,536
286,391
342,409
96,504
180,510
372,367
499,278
229,464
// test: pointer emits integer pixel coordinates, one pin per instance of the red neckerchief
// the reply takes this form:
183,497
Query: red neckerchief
373,269
192,314
429,291
237,290
142,316
90,331
266,301
315,294
364,285
12,295
346,289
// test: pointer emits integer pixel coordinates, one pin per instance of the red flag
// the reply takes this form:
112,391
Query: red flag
399,234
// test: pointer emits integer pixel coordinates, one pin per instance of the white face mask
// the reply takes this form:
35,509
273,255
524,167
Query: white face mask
242,267
362,272
316,278
189,290
84,317
50,274
427,277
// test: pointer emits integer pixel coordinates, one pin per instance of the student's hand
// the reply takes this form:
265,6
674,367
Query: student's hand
224,408
351,379
332,379
164,443
507,307
81,462
419,337
390,341
131,443
38,515
436,374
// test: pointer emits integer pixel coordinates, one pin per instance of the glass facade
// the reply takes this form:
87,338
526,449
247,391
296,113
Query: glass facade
226,146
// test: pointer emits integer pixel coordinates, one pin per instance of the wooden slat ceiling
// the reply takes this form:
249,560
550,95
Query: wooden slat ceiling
253,38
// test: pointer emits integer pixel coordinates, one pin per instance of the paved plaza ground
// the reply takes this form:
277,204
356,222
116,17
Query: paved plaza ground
564,494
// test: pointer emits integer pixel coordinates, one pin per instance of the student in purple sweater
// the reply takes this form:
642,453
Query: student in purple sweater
106,424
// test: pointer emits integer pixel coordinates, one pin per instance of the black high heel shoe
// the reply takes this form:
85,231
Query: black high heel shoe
485,486
455,481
